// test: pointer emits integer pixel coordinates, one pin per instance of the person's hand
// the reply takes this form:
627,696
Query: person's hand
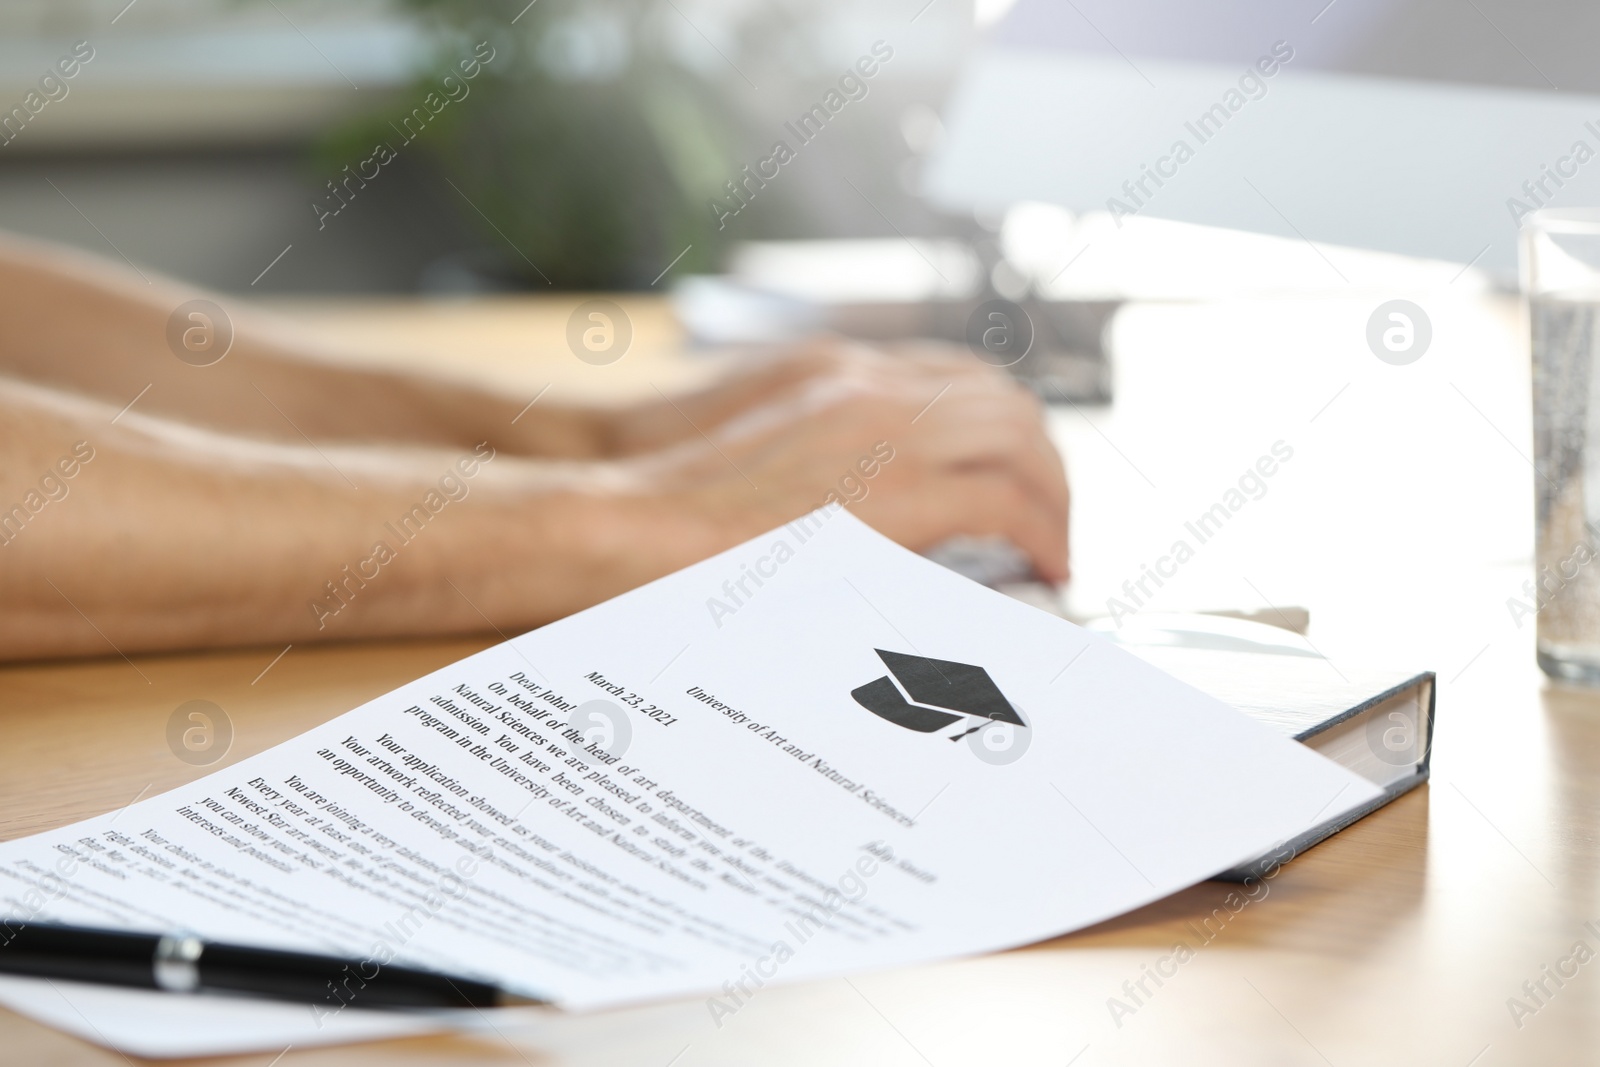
660,422
921,446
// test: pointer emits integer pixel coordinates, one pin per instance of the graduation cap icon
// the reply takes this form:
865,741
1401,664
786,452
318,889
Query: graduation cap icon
940,693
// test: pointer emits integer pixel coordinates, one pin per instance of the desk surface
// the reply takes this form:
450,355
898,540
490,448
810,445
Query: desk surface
1403,522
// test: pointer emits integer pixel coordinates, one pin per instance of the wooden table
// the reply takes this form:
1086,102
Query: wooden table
1403,522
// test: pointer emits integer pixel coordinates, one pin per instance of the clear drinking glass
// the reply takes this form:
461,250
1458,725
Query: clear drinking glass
1561,277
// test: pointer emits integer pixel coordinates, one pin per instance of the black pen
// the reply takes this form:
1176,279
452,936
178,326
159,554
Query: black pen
180,963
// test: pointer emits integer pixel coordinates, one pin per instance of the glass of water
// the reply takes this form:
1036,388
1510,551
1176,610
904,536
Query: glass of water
1561,277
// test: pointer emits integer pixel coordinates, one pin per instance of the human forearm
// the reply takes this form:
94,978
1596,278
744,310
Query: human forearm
176,538
77,322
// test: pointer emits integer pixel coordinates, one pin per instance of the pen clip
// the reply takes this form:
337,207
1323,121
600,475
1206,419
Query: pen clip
176,964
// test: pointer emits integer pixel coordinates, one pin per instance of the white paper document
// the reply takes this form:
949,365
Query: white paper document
814,754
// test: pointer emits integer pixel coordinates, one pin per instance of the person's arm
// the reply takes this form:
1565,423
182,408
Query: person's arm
84,324
166,536
80,323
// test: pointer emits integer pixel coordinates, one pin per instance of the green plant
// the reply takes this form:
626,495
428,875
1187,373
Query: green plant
586,143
